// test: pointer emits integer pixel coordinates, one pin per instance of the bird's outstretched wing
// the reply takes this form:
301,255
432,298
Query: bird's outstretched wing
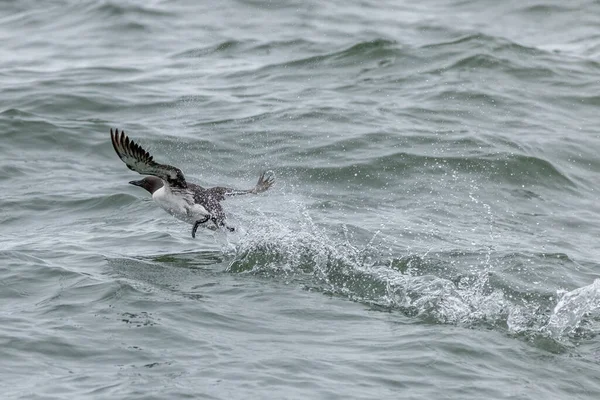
139,160
263,184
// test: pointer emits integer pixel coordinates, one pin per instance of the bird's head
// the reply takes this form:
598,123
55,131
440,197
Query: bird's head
150,183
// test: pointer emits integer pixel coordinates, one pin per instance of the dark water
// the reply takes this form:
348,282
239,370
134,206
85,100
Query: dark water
433,232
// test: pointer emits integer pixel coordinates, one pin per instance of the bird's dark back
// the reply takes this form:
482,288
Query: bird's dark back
209,199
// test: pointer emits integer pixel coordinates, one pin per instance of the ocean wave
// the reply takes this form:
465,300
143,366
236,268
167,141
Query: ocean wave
204,51
19,126
116,8
482,41
245,47
366,51
513,168
466,288
543,9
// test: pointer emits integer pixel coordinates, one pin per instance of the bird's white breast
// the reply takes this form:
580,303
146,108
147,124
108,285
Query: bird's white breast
178,206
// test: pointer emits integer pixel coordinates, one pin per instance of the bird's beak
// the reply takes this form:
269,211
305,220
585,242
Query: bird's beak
136,183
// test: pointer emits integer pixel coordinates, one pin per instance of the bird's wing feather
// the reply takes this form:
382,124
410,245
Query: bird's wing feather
139,160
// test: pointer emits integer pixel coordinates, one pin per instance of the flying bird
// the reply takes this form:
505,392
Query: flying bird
167,185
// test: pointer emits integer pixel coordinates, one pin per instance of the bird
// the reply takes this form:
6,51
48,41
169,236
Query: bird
184,200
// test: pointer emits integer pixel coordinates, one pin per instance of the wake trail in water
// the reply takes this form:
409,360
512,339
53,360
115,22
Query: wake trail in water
437,287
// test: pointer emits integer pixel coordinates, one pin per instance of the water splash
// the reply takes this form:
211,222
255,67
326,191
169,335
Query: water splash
332,262
574,308
448,287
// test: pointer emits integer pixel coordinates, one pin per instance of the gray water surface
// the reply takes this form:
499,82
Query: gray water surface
433,231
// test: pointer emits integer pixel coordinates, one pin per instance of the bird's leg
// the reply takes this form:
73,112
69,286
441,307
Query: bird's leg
222,224
197,224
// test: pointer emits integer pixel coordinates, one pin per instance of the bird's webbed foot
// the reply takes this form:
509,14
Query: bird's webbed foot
221,224
265,181
198,223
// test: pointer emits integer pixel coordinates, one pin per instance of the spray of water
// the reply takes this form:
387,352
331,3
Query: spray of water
420,285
